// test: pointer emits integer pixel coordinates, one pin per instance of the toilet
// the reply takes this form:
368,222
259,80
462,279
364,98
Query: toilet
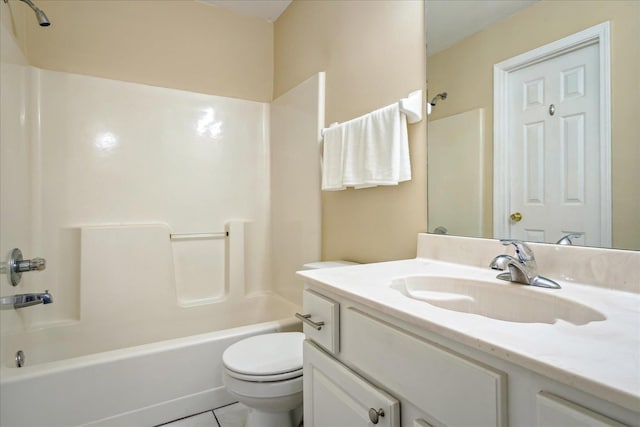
264,372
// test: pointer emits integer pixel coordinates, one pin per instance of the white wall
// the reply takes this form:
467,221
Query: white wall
111,153
297,118
455,183
15,158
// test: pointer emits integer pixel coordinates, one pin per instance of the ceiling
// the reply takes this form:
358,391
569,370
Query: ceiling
449,21
268,10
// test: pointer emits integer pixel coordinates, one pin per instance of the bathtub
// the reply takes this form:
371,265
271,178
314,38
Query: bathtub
78,374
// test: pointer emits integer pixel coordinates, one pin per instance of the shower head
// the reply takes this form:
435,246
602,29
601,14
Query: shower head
42,18
40,15
442,95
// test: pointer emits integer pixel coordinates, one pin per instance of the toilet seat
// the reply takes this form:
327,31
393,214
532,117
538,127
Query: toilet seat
265,358
264,378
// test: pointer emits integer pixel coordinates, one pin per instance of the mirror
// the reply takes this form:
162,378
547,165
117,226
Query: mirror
465,39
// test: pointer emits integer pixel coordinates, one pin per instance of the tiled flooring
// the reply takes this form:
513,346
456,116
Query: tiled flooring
233,415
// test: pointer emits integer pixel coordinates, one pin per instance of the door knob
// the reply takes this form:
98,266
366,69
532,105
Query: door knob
374,415
516,216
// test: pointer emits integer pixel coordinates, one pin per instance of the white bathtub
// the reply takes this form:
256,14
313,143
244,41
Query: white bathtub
76,376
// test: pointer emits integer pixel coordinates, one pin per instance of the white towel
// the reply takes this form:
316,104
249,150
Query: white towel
368,151
386,153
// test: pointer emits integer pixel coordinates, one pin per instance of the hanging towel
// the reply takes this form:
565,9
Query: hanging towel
386,148
368,151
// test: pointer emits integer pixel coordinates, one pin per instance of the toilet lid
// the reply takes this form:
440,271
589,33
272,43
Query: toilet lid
268,354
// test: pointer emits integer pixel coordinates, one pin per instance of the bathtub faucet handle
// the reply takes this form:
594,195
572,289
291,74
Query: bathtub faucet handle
33,264
17,265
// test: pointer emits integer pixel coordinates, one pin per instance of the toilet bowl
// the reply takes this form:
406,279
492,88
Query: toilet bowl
264,373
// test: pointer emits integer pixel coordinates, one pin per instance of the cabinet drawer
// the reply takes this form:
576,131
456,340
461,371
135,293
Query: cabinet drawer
453,389
319,308
334,396
555,411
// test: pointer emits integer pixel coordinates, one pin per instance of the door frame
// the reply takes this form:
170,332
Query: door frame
598,34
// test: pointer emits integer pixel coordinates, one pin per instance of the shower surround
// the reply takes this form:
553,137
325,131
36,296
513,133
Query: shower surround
172,223
118,168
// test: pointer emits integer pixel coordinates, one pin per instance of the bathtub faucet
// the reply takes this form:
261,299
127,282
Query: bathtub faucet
25,300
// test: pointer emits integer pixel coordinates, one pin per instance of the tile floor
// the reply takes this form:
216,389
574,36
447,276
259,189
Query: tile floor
233,415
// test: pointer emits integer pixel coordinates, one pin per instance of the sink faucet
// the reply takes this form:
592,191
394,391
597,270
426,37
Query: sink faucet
566,240
25,300
522,268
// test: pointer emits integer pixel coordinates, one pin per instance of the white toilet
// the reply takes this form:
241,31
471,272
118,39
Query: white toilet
264,372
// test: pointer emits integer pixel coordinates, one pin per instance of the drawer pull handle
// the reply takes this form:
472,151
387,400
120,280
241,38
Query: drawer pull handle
375,414
306,318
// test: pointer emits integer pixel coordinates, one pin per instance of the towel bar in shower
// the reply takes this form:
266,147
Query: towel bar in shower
194,236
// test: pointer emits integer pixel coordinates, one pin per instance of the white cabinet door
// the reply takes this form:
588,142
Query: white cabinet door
334,396
453,389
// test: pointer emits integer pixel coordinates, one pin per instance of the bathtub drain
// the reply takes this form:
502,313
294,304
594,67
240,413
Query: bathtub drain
19,359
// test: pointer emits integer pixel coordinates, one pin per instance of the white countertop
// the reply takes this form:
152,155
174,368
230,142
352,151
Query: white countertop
601,358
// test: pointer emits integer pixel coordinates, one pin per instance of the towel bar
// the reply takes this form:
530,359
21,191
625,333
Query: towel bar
193,236
411,106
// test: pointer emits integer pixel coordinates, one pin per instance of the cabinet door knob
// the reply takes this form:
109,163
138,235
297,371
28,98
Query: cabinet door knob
375,414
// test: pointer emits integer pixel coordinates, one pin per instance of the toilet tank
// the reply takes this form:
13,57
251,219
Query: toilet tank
326,264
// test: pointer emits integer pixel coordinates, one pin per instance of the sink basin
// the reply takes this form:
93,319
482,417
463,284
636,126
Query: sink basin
508,302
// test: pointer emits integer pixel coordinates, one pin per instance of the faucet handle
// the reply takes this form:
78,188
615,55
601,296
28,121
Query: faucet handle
500,262
33,264
523,251
18,265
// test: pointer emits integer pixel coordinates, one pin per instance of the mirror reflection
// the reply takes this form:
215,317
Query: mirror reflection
534,127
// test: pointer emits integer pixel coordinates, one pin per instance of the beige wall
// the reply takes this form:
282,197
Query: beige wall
171,43
465,71
373,54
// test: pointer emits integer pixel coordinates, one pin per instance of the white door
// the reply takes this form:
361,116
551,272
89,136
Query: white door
334,396
553,142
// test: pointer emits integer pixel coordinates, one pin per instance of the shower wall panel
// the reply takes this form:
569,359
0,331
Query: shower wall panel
110,154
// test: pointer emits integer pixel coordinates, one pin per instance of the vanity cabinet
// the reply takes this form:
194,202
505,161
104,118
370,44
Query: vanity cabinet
380,368
366,360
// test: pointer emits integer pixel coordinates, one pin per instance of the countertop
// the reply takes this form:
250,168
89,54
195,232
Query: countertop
601,358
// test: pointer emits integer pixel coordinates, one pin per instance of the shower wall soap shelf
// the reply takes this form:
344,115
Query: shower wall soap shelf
411,106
